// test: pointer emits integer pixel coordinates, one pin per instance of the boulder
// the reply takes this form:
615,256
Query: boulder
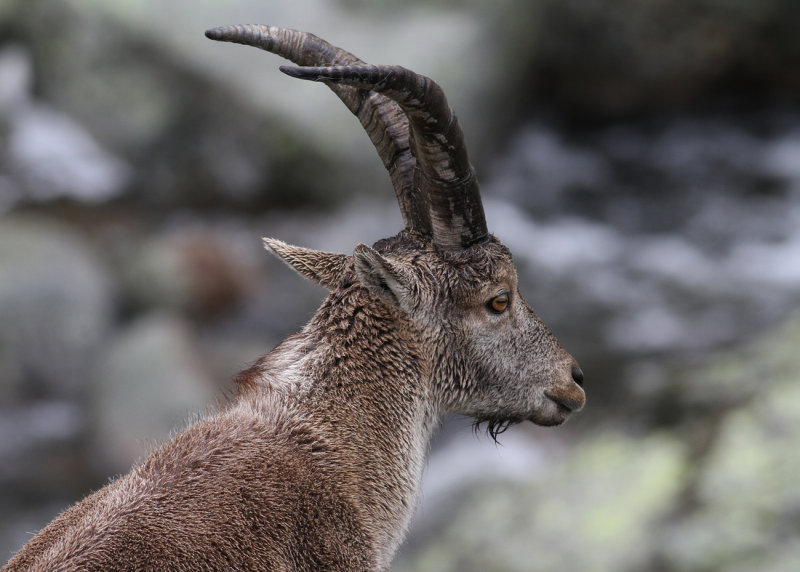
195,270
55,308
149,383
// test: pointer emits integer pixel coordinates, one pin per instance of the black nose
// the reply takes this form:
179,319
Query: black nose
577,375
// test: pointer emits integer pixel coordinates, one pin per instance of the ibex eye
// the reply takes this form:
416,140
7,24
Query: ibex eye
499,304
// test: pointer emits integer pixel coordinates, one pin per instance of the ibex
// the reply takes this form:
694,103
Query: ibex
317,463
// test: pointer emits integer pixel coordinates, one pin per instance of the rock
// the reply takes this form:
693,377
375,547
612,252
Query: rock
53,156
16,78
150,381
587,512
42,451
49,155
200,271
187,139
55,309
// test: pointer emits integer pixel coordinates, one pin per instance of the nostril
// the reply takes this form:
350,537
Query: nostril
577,375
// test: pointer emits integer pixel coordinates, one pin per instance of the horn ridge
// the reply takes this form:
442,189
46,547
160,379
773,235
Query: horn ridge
443,172
384,121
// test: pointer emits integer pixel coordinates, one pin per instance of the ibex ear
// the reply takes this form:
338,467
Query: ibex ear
324,268
382,276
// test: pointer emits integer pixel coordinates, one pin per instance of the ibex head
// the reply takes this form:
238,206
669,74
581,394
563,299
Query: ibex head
444,275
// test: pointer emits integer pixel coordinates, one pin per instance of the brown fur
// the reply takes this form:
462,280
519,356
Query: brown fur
316,465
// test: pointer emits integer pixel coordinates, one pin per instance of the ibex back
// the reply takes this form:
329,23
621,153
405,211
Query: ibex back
317,463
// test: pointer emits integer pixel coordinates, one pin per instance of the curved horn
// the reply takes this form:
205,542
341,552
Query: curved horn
382,119
443,170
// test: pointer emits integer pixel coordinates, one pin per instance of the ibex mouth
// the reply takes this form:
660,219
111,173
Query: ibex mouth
558,408
568,401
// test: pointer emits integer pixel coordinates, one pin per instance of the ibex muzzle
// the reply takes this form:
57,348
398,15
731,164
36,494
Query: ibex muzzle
317,463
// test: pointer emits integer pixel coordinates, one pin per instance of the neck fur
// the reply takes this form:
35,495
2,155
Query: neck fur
356,374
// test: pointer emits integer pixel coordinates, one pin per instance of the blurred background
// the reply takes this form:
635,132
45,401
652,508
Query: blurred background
641,160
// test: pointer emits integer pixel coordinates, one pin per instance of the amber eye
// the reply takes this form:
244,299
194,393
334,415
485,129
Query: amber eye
499,304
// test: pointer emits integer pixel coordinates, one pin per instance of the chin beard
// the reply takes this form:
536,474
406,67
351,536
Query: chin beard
495,426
